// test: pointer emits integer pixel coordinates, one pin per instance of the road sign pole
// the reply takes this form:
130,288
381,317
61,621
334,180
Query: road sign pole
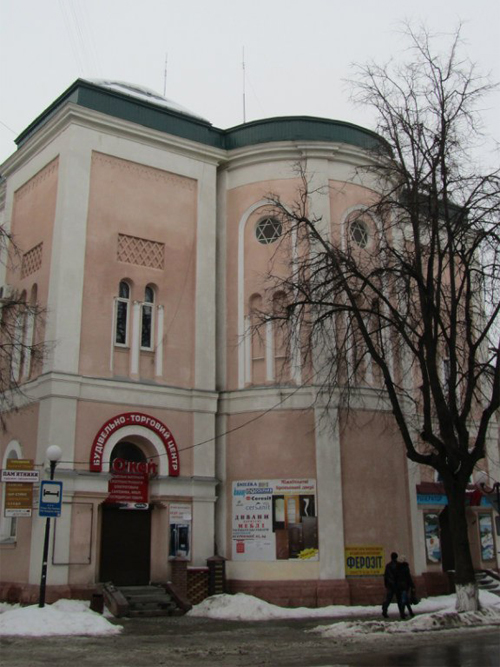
43,580
54,457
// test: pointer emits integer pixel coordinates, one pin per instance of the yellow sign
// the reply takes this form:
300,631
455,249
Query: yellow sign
364,561
19,464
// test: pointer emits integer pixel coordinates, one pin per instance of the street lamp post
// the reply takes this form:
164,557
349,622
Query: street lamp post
54,454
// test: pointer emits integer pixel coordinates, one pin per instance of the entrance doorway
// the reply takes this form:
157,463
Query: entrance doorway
125,546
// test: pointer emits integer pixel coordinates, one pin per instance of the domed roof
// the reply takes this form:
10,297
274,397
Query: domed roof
146,94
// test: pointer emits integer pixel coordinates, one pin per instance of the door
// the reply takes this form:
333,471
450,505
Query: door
125,546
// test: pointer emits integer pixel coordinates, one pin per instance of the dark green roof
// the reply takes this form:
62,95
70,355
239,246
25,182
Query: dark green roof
140,111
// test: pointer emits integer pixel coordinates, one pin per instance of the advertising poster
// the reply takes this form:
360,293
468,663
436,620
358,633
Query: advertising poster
432,540
275,520
486,537
364,561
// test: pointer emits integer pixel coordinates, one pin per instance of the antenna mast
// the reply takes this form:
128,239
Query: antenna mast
165,76
244,99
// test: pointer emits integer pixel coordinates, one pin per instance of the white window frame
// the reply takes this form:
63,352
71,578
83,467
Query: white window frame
151,305
127,301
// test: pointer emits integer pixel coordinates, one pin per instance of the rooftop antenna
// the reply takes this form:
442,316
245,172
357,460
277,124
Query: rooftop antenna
165,76
244,100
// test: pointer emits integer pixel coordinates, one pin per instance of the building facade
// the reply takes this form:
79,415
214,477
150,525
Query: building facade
144,234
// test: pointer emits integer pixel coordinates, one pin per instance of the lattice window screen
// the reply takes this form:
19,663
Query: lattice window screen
142,252
32,261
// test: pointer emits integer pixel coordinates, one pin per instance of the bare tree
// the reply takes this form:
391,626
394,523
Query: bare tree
404,296
21,345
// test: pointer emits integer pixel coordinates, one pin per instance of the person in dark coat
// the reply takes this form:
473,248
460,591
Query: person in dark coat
404,583
391,585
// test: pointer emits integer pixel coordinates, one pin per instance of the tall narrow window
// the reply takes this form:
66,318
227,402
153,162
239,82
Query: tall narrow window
147,319
122,314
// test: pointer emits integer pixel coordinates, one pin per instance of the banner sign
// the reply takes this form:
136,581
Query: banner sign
364,561
274,520
128,488
20,476
18,500
134,419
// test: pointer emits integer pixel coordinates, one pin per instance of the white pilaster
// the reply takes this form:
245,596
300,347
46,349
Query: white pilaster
329,494
159,341
67,263
135,343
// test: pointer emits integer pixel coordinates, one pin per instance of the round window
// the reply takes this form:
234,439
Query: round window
268,230
358,231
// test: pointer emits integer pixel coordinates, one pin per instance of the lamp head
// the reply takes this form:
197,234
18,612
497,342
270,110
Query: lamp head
54,453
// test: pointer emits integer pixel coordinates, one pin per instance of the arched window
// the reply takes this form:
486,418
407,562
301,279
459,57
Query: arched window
122,314
147,315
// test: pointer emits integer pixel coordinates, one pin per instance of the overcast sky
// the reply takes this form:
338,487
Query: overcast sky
297,53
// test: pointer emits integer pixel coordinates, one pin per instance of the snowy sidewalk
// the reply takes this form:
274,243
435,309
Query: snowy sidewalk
73,617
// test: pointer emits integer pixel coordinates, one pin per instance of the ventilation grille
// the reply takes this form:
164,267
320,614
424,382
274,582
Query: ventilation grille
142,252
32,261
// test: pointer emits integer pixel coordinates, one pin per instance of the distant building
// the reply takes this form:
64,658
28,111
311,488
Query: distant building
144,233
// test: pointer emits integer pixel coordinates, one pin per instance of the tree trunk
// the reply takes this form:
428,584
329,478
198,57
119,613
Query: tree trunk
465,579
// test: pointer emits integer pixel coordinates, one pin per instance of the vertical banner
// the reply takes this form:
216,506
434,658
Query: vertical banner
274,520
486,537
432,540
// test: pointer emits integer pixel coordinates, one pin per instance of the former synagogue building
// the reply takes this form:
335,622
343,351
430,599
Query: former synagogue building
143,234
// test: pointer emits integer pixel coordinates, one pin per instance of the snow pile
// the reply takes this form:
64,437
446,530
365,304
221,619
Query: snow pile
424,623
432,613
65,617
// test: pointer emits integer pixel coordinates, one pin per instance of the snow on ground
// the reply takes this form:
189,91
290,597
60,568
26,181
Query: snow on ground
73,617
65,617
431,614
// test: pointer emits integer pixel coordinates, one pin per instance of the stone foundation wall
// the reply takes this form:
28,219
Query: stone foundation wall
294,593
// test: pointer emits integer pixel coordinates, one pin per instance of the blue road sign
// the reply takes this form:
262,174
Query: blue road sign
50,499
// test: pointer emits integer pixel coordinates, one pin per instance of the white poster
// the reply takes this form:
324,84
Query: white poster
275,520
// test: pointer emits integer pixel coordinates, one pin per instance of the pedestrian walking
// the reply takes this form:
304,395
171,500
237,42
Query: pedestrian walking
404,584
390,582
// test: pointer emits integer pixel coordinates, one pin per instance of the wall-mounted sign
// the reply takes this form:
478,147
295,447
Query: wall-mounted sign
432,539
275,520
364,561
134,419
129,490
20,478
18,500
50,499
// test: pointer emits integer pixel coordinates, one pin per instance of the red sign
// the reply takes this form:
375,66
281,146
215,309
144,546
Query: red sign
128,488
148,468
135,419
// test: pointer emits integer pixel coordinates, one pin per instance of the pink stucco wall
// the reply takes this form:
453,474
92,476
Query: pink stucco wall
153,205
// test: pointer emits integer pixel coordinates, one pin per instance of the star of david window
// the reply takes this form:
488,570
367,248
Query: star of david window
268,231
358,231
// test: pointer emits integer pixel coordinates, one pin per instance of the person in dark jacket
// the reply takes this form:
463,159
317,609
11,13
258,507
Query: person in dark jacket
391,585
404,583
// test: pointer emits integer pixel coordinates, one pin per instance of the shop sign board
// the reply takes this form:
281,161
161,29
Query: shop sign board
50,499
18,500
20,476
137,419
365,560
129,490
274,519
